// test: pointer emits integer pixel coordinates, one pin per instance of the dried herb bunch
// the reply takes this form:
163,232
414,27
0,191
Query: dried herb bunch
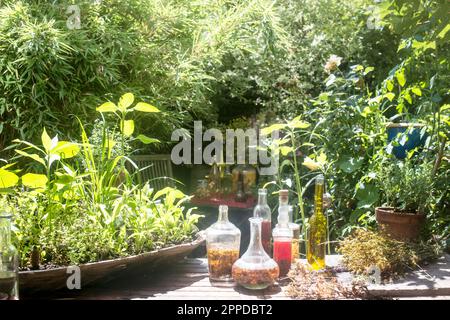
364,249
324,284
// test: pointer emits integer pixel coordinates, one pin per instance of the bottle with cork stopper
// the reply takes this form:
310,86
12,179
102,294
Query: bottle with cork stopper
284,200
282,239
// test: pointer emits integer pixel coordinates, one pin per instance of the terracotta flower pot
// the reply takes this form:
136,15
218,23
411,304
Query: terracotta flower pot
400,225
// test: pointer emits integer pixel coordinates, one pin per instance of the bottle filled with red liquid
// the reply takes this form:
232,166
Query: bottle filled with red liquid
282,254
282,241
262,210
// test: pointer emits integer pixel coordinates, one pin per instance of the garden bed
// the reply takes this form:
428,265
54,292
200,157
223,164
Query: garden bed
56,278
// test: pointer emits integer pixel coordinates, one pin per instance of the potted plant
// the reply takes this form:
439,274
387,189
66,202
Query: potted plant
407,189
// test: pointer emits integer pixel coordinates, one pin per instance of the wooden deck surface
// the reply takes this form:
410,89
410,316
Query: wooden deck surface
188,280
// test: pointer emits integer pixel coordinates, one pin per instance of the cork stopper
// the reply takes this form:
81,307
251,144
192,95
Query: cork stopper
283,197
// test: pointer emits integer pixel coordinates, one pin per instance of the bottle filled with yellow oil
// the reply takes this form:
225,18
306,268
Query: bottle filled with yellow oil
317,232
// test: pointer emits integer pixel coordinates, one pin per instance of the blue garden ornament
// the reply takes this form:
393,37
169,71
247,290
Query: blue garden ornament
408,137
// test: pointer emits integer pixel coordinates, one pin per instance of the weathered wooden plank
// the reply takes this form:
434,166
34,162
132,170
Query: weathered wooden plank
432,280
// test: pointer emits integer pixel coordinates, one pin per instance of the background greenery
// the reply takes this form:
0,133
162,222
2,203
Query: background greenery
234,62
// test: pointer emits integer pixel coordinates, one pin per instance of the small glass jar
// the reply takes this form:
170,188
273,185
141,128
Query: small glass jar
255,269
222,244
9,262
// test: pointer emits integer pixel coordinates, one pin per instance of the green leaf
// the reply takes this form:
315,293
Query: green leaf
324,96
298,124
444,31
408,98
145,107
390,96
128,127
268,130
170,192
46,141
147,140
424,45
400,107
32,156
366,111
311,164
445,107
285,150
9,165
400,75
107,107
417,91
350,164
125,101
368,70
66,149
34,180
8,179
390,85
367,194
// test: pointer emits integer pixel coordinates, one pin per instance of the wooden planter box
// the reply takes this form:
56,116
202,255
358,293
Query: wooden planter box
55,279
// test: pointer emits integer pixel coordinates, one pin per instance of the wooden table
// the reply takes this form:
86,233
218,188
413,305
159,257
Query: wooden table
188,280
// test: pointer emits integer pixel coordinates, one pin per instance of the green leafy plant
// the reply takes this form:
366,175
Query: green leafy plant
87,188
407,186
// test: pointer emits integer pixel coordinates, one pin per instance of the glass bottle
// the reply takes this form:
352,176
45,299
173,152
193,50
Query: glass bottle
248,174
255,269
317,232
282,241
222,246
214,178
236,177
295,235
262,210
283,200
9,262
240,194
226,182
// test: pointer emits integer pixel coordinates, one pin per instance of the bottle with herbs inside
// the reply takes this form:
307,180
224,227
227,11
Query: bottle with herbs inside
262,210
282,241
9,265
222,245
255,269
317,232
